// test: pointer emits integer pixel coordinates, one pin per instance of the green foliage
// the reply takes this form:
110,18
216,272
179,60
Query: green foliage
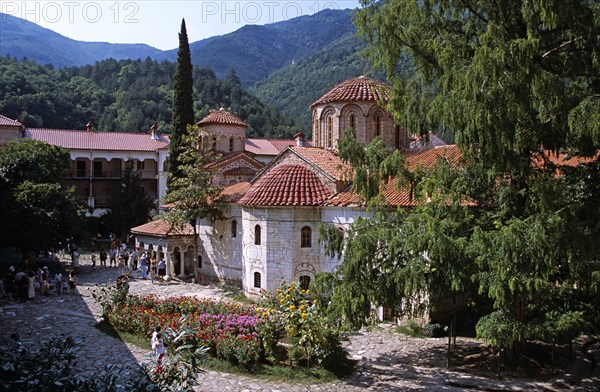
129,204
183,105
194,193
109,296
500,329
308,329
125,96
36,211
180,368
52,366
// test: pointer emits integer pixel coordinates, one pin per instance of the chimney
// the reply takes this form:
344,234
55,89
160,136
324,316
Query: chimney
153,133
89,127
299,138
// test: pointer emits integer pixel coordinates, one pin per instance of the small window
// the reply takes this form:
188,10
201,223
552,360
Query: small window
329,132
199,261
377,125
352,121
97,169
305,237
214,143
233,228
231,145
140,165
304,282
316,133
257,235
81,169
257,279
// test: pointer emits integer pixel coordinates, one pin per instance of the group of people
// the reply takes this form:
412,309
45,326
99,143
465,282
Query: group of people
27,283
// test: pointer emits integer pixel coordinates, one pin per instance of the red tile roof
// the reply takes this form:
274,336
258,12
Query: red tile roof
402,197
222,117
160,228
269,146
326,160
356,89
287,185
240,171
84,140
235,192
9,122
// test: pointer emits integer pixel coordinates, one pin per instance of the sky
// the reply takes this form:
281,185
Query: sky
157,22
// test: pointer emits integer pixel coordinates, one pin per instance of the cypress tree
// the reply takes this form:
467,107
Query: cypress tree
183,103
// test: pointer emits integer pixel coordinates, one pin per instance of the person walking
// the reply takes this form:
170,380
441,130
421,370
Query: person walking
144,266
72,281
103,257
160,352
93,261
162,270
31,285
58,282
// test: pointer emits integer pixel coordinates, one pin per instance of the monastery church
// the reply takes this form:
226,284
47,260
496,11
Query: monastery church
277,192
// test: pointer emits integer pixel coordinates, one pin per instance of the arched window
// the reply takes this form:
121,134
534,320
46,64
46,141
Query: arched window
257,235
352,121
257,280
329,131
231,144
377,124
233,228
305,237
214,143
304,282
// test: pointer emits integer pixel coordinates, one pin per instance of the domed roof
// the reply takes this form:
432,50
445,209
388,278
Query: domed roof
287,185
355,89
222,117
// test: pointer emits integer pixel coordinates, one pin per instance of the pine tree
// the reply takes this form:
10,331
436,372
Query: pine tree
183,104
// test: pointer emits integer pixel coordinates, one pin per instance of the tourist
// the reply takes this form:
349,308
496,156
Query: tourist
72,281
22,284
144,266
58,282
93,261
162,270
152,270
160,351
37,283
121,265
156,331
31,280
135,254
75,259
45,280
103,257
9,283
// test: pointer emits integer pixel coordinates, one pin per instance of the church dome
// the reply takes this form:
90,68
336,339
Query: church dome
355,89
222,117
287,185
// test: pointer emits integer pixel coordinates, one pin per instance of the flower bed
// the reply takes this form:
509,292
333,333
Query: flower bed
228,329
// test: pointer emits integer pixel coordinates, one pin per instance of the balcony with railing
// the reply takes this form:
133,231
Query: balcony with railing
108,174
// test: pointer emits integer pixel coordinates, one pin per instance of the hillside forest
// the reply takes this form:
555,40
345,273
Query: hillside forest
126,96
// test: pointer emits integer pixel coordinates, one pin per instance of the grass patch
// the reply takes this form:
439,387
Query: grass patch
295,375
125,337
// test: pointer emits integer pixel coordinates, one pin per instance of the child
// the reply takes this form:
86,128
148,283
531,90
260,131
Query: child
72,281
160,351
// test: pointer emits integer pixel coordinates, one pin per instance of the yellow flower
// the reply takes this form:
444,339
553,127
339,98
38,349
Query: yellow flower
304,315
287,296
301,307
281,301
307,291
281,295
292,307
257,310
303,291
265,314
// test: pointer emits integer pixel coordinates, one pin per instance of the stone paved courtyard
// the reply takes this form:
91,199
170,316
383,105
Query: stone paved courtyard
386,361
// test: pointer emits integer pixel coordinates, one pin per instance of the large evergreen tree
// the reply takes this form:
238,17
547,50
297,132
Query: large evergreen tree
517,82
183,104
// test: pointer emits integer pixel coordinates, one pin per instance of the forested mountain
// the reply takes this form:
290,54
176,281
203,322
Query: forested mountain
20,38
252,51
126,95
294,88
